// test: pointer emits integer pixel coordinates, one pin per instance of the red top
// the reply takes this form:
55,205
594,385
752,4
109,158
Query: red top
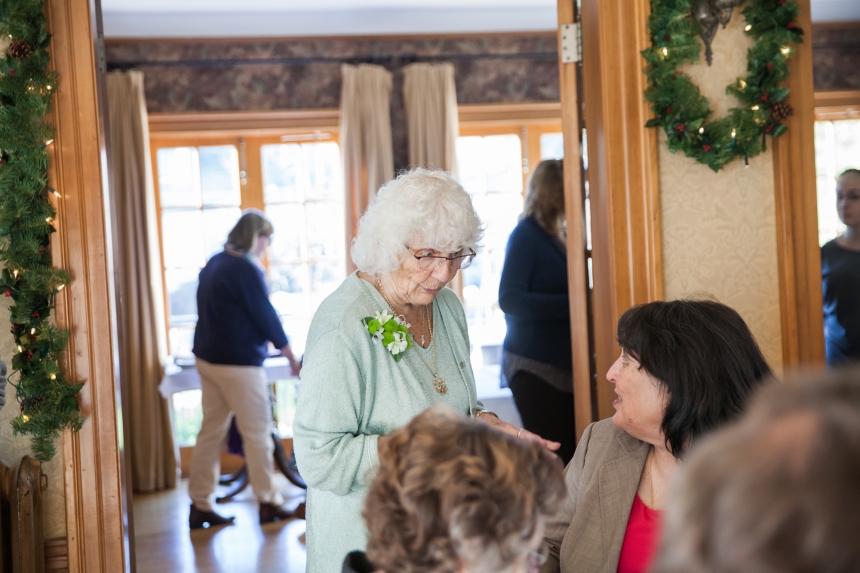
640,539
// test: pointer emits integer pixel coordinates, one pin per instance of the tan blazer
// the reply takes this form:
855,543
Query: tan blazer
602,479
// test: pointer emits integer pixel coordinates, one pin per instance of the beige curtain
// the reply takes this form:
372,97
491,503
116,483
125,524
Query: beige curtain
431,115
149,447
365,137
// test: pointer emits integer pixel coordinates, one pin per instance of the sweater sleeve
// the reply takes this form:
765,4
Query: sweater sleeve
331,453
515,295
251,290
558,524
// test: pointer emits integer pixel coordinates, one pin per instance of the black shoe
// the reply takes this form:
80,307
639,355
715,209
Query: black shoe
198,518
270,512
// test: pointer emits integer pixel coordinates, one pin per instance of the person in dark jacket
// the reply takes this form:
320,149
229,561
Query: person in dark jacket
236,323
840,275
536,357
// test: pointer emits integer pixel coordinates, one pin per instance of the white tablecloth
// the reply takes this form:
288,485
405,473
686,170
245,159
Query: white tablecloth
182,378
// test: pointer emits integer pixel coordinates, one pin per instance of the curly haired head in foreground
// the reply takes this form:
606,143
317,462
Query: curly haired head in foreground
453,493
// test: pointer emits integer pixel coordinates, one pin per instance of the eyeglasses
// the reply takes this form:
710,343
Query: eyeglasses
427,262
536,559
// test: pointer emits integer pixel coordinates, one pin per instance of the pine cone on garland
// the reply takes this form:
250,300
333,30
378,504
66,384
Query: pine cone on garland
780,111
19,50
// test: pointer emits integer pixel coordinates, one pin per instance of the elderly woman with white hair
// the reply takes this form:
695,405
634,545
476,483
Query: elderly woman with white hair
390,342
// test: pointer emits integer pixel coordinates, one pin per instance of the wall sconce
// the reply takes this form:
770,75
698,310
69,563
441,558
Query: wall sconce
708,14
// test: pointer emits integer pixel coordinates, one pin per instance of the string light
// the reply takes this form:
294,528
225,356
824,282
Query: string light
748,28
49,220
20,348
785,50
49,142
25,417
734,134
32,331
754,108
665,51
701,130
15,274
60,287
49,87
53,376
742,83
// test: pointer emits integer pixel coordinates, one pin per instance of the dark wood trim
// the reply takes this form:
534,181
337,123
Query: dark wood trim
57,555
577,246
834,25
799,259
93,479
836,105
622,174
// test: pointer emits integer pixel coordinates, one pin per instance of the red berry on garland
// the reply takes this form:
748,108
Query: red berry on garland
780,2
35,314
12,73
768,128
29,354
666,38
791,25
33,337
706,147
763,98
669,109
769,66
8,292
680,128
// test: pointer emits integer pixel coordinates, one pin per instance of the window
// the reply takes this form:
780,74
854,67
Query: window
837,148
202,186
493,163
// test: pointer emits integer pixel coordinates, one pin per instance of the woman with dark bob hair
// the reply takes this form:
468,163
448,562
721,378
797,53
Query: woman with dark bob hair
686,367
453,495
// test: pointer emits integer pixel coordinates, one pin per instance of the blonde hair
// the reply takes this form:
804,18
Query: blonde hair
545,198
451,491
421,204
251,225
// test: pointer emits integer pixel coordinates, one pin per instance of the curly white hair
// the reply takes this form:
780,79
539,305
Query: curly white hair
420,208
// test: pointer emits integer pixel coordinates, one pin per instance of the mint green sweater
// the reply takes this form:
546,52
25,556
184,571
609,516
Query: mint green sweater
352,391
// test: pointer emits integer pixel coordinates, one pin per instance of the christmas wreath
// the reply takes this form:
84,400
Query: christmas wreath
684,113
48,402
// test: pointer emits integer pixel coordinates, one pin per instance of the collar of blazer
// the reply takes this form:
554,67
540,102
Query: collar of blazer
618,482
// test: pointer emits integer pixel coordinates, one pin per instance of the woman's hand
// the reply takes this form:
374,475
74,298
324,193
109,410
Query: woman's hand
295,365
520,433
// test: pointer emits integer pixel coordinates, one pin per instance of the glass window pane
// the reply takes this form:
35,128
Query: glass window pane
289,289
325,278
181,341
217,224
837,147
182,294
551,146
187,417
470,164
281,171
178,183
325,229
219,175
322,166
289,223
500,212
503,160
182,239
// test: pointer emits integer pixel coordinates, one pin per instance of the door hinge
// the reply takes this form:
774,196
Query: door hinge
571,43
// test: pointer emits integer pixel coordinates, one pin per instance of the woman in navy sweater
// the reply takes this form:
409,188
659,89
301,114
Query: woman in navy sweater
536,358
236,322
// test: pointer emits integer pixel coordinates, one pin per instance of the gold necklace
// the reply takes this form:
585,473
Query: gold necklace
438,384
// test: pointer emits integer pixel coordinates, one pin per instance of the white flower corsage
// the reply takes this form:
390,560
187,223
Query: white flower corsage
392,331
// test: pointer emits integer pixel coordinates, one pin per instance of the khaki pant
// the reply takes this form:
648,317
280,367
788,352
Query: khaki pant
243,391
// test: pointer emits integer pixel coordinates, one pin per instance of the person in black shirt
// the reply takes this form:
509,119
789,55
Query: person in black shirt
536,355
840,273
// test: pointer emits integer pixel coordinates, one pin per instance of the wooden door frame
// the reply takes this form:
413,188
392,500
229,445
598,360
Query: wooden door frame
93,474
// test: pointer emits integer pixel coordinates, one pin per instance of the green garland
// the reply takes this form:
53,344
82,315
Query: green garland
48,402
685,113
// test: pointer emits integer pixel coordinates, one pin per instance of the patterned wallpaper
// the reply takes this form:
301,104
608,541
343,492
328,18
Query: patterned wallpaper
719,229
15,448
219,75
836,57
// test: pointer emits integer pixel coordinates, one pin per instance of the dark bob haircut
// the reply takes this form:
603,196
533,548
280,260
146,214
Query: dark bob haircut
705,357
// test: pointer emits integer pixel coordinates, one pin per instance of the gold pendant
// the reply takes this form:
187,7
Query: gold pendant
440,385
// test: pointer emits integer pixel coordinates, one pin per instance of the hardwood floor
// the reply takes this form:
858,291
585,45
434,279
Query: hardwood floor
164,544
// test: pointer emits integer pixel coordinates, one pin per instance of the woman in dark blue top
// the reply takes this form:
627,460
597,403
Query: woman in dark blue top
236,322
536,358
840,274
